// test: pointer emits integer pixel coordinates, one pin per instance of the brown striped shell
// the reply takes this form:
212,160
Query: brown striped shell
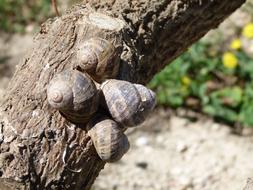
74,94
98,57
148,100
128,104
108,138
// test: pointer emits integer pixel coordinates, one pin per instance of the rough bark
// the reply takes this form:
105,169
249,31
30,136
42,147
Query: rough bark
39,148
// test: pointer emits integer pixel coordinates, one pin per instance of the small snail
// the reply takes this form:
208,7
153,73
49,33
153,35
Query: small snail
99,58
74,94
108,138
128,104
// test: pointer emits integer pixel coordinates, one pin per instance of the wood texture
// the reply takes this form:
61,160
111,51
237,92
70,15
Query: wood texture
39,148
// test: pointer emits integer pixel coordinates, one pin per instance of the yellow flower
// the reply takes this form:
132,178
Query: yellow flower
186,80
236,44
248,31
229,60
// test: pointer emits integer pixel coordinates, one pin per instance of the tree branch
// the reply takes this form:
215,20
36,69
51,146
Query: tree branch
39,148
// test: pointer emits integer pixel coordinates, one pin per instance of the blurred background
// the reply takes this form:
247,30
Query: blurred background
200,134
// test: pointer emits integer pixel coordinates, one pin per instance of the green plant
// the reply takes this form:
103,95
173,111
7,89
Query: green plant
15,14
214,78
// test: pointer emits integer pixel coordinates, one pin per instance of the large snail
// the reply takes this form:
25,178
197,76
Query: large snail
74,94
128,104
108,138
99,58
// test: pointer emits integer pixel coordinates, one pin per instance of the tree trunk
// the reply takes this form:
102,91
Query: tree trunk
39,148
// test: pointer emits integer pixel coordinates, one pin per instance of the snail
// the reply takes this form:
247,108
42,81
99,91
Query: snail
74,94
148,99
128,104
108,138
99,58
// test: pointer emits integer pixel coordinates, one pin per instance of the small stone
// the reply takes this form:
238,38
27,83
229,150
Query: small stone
141,141
142,165
181,147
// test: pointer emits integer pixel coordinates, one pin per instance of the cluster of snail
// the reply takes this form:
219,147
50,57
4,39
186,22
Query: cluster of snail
81,94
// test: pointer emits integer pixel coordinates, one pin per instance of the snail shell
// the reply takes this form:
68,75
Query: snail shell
108,138
128,104
123,101
98,57
74,94
148,100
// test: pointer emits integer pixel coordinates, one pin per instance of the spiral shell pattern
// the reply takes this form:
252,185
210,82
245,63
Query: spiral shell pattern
109,140
98,58
74,94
